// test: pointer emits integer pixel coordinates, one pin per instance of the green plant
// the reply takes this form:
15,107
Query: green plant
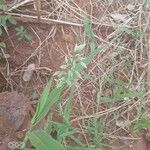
121,93
133,32
69,70
22,33
146,4
142,122
6,19
3,5
2,54
95,128
68,76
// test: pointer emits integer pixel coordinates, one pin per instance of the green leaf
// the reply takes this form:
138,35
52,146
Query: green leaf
43,141
21,32
88,59
89,33
146,4
28,37
46,101
48,126
17,29
81,148
64,130
83,64
42,103
3,5
80,66
42,109
79,48
3,21
12,20
20,29
142,123
2,45
121,97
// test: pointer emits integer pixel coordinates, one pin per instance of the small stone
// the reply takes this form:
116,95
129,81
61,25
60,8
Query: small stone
13,109
29,72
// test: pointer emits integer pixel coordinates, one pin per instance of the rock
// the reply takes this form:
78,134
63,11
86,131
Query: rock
14,108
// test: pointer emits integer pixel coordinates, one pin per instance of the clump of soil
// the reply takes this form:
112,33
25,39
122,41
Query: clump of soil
14,109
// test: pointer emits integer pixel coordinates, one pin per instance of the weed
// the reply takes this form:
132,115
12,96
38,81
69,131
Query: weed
3,5
142,122
6,19
135,32
146,4
114,82
68,75
2,54
121,93
69,70
22,33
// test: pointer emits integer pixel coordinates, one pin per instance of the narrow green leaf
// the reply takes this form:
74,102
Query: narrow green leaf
48,126
3,20
89,33
68,107
68,133
83,64
42,103
43,141
43,108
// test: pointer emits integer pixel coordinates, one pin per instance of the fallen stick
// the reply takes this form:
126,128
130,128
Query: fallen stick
18,5
34,19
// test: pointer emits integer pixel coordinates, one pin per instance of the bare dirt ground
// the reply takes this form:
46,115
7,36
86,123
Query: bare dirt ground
49,45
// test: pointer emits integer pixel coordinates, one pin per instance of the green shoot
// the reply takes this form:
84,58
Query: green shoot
22,33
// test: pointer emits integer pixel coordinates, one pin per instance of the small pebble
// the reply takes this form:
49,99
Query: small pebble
29,72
